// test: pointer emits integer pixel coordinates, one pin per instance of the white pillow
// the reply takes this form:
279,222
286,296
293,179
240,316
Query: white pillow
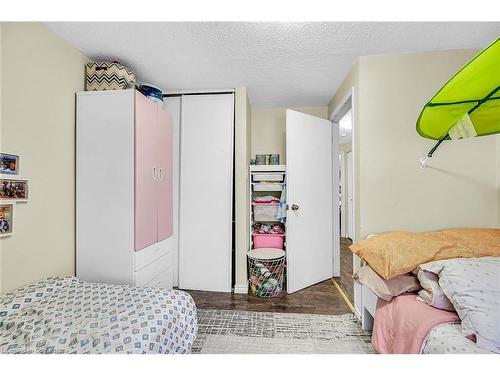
432,293
473,286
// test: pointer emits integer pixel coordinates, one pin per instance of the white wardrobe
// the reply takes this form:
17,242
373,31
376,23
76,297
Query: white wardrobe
155,189
203,130
124,216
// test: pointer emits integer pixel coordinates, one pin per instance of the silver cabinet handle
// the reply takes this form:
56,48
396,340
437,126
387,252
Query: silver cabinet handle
154,173
295,207
160,174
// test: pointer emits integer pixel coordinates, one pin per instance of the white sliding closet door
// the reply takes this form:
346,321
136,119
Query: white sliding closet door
173,106
206,192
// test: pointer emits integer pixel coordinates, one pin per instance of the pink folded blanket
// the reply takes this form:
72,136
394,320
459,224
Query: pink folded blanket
401,325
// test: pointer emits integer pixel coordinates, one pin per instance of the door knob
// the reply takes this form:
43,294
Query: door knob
295,207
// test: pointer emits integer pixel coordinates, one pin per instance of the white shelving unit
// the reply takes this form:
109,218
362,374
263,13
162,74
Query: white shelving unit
265,180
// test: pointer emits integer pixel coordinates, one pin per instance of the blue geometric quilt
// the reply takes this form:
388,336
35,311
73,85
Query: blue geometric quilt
68,315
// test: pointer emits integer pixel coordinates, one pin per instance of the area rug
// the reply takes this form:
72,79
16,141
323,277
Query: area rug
245,332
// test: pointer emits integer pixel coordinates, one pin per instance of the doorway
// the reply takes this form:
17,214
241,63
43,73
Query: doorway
342,120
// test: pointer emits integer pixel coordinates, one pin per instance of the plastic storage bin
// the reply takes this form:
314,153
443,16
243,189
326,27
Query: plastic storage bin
268,176
267,186
268,240
266,268
265,211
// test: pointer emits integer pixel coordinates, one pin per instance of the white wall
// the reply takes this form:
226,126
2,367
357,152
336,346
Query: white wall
40,75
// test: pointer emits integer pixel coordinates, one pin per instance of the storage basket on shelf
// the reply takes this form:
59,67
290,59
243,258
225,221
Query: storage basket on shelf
271,240
266,268
265,211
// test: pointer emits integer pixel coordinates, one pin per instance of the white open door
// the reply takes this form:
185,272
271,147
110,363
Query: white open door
311,227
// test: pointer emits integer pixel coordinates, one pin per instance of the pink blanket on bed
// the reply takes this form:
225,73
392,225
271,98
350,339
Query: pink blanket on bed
402,324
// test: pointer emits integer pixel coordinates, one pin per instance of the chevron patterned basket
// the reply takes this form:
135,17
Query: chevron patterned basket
108,76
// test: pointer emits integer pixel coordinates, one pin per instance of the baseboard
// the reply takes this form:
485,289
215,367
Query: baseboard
241,289
357,314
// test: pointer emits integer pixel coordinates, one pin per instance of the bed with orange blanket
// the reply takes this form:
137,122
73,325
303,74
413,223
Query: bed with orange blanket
407,325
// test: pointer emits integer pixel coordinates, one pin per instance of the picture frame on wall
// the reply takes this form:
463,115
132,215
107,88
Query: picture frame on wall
13,190
9,164
6,219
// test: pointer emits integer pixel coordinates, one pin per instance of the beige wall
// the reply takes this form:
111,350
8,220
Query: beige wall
458,189
40,75
242,139
268,129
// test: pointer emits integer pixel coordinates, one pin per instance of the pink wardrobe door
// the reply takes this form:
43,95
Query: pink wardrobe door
146,172
165,206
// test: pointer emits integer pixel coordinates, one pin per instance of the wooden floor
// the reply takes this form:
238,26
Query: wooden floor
322,298
345,280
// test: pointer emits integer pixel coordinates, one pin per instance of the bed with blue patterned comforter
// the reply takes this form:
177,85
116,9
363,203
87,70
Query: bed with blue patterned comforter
68,315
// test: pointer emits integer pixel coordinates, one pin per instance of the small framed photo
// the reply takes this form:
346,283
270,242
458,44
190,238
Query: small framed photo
9,164
13,189
6,219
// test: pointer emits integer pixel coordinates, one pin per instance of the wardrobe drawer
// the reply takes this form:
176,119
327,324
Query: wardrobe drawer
148,273
163,280
149,254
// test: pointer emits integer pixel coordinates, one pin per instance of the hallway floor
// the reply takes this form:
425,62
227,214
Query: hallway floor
345,280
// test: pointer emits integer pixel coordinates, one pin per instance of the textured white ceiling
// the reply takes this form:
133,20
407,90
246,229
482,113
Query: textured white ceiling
281,64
